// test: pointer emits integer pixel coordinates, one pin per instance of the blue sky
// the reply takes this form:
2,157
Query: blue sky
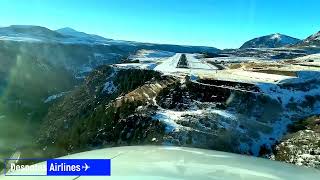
218,23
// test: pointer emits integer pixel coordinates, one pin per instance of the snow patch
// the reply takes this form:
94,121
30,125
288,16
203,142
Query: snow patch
276,36
109,87
19,39
168,118
147,66
278,129
54,97
288,95
152,54
224,114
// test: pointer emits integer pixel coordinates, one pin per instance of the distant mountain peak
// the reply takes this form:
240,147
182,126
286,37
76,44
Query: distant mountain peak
67,30
276,36
270,41
313,40
316,36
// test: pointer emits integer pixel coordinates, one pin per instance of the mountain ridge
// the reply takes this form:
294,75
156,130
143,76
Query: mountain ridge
67,31
69,35
311,41
270,41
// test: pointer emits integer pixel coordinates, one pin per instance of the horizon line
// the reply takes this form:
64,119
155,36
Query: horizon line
148,42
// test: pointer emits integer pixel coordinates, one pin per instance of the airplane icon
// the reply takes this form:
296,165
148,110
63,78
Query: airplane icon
85,167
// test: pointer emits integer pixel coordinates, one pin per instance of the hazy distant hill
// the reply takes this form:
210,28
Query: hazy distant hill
73,33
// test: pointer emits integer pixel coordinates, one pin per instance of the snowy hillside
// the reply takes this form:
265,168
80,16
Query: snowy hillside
270,41
152,54
311,41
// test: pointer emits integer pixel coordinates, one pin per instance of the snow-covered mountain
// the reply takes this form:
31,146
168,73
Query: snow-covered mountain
270,41
311,41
